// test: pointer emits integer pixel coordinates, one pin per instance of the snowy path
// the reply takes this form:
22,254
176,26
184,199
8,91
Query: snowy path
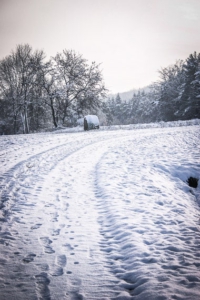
100,215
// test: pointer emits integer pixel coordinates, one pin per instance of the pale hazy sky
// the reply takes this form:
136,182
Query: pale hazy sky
132,39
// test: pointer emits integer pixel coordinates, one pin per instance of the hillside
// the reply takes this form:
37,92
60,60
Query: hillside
129,94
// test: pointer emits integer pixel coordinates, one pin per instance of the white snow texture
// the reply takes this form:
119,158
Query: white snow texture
104,214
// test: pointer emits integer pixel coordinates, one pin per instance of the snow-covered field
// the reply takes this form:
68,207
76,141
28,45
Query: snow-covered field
104,214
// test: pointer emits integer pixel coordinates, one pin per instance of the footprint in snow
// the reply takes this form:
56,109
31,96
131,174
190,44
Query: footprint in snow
56,271
48,250
29,258
46,243
42,282
36,226
61,260
55,232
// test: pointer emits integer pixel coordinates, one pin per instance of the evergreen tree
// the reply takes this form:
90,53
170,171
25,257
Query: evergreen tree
118,108
190,101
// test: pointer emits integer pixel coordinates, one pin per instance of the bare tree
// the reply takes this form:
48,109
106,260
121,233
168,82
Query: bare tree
9,92
18,81
50,91
80,86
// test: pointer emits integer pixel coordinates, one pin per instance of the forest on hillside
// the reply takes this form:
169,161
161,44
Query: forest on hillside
176,96
37,94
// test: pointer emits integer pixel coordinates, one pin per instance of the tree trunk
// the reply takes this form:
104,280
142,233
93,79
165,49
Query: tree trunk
15,124
53,114
26,121
23,123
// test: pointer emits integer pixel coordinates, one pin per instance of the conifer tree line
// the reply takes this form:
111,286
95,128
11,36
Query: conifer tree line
36,93
176,96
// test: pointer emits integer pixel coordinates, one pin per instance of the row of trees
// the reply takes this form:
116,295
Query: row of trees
176,96
36,92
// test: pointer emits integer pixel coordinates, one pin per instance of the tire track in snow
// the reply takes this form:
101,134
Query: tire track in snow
66,232
12,210
23,221
88,273
40,161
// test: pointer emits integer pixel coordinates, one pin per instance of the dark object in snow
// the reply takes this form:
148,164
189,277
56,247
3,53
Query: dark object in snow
91,122
193,182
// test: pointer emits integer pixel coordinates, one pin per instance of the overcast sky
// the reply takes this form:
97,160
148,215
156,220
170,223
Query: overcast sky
132,39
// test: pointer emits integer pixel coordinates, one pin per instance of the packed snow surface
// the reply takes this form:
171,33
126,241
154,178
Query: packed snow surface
102,214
